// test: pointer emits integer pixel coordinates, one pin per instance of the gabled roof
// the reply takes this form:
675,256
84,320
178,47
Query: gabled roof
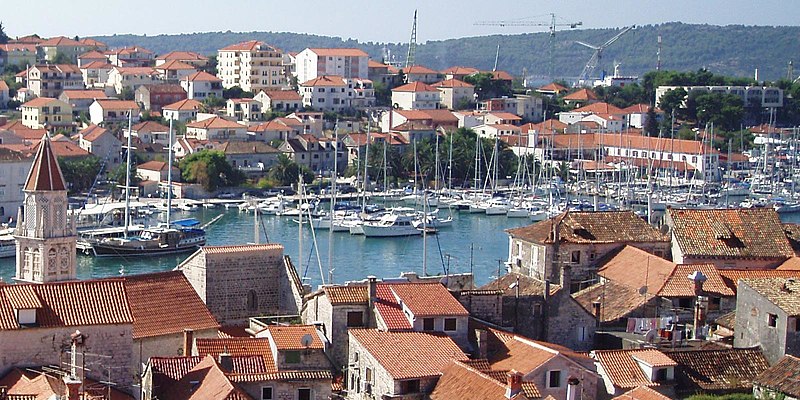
415,87
93,54
452,83
591,227
732,276
92,42
153,165
783,377
636,268
40,383
427,299
349,294
622,369
291,337
272,125
118,105
343,52
459,71
239,347
206,380
182,56
60,41
93,132
215,123
250,45
84,94
637,142
783,292
175,307
202,76
236,147
581,95
679,285
325,80
175,65
419,69
735,233
545,127
598,108
713,370
45,173
552,87
507,351
282,94
460,380
184,105
641,393
399,353
504,115
616,300
97,65
149,126
40,102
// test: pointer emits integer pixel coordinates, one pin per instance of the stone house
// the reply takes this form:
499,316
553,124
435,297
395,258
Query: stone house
101,143
296,347
780,380
336,309
254,158
716,371
736,238
578,240
155,97
387,363
682,295
768,315
238,282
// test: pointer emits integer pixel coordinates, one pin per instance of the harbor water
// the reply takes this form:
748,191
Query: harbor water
475,243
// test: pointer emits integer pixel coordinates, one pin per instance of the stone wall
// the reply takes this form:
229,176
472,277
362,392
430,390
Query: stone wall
46,346
161,346
568,324
752,328
484,305
588,381
288,390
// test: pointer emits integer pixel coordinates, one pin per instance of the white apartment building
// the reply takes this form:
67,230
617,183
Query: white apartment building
416,96
326,93
200,85
760,96
347,63
251,65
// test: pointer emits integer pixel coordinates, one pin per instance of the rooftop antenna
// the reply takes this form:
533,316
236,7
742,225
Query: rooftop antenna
496,57
790,74
412,44
658,54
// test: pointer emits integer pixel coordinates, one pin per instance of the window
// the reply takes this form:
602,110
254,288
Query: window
266,393
427,324
583,334
252,300
554,379
685,302
450,324
355,319
304,394
291,357
772,320
368,375
576,257
661,375
714,303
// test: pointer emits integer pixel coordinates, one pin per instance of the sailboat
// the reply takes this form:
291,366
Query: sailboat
167,238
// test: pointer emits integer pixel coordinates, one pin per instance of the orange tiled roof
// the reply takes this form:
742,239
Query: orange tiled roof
452,83
206,380
591,227
202,76
400,352
732,276
783,377
93,132
240,248
419,69
388,309
149,126
92,42
175,65
545,127
184,105
118,105
654,358
460,380
182,56
616,300
238,347
291,337
581,95
427,299
93,54
552,87
641,393
282,94
735,233
176,307
636,268
504,115
60,41
215,123
97,65
39,102
621,369
347,294
84,94
711,370
638,142
415,87
36,383
459,71
325,80
679,285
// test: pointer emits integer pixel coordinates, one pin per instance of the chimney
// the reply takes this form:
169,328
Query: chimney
566,278
698,278
226,362
371,289
188,342
596,307
73,388
483,346
572,388
514,383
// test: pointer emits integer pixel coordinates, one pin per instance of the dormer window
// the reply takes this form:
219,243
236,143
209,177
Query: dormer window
26,316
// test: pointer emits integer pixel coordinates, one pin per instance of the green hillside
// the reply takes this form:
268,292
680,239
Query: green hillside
733,50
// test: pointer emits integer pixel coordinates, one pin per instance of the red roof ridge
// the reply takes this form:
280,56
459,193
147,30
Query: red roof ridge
45,173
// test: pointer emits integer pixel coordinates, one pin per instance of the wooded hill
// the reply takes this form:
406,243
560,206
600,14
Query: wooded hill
733,50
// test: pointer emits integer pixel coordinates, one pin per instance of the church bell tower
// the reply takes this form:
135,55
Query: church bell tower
45,235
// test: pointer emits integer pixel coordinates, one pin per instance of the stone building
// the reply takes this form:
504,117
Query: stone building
242,281
768,315
45,236
782,380
578,240
336,309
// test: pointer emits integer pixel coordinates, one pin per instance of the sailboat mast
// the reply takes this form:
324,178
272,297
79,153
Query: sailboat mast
333,198
128,177
415,165
366,165
477,161
450,165
169,177
436,164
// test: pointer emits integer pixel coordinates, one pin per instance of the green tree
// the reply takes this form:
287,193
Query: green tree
79,172
651,124
127,93
287,172
672,101
236,92
213,102
210,169
724,110
3,36
487,87
61,58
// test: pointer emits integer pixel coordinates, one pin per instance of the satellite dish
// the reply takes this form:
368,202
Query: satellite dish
643,290
651,336
306,340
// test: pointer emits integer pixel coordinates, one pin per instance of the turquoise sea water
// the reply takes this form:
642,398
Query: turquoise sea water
474,241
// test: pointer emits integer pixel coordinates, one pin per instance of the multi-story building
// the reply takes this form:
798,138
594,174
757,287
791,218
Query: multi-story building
18,54
216,128
758,96
80,100
252,66
280,100
244,110
111,111
131,78
455,94
418,73
62,45
363,93
47,113
187,57
416,96
50,80
183,110
174,70
95,74
346,63
90,57
326,93
528,107
201,85
131,57
155,97
768,315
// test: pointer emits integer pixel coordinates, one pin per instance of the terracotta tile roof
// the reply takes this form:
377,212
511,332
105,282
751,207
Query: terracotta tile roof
791,264
581,95
641,393
344,52
291,337
591,227
84,94
427,299
400,352
67,304
527,286
325,80
184,105
165,88
783,377
415,87
237,147
726,369
621,369
241,248
153,165
136,70
735,233
97,65
347,294
389,310
616,300
238,347
270,126
638,142
60,41
597,108
654,358
793,234
282,94
231,331
636,268
783,292
131,50
552,87
679,285
507,351
545,127
419,69
93,132
459,71
92,54
732,276
215,123
34,383
92,42
148,127
176,307
45,173
452,83
500,75
206,380
461,381
202,76
175,65
39,102
182,56
250,45
505,115
118,105
9,47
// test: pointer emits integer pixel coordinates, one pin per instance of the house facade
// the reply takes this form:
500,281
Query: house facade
768,316
50,80
416,96
251,65
47,113
346,63
201,85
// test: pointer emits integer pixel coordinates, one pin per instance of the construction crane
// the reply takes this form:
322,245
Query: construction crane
552,24
598,53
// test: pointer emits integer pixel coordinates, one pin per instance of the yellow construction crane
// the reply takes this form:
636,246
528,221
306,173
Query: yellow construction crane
531,21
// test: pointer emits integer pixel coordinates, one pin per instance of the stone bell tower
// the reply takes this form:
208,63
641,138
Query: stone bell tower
45,236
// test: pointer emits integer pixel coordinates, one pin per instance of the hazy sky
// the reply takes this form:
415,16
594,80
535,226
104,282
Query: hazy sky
375,20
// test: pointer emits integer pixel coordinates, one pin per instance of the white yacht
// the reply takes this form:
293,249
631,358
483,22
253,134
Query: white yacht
391,225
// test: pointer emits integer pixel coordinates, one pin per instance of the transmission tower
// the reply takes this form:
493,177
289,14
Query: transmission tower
658,54
412,44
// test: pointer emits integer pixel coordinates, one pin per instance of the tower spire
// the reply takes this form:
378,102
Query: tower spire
45,174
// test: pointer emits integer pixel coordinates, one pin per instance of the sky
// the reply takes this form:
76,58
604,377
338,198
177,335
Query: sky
376,20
